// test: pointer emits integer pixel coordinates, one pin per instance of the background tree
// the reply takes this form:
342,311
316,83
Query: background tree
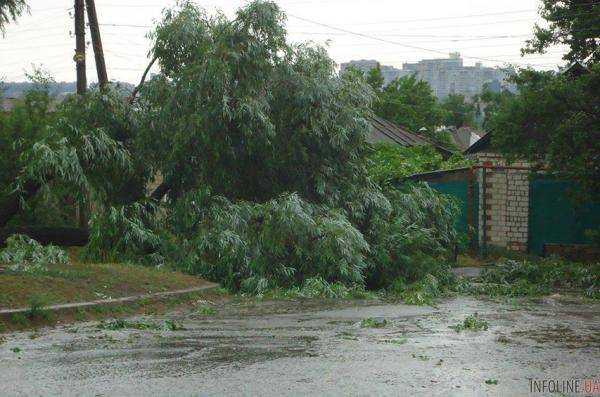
574,23
555,117
409,102
375,78
554,121
458,112
489,102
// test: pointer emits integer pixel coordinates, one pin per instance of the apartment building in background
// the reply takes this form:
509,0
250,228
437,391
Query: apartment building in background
445,75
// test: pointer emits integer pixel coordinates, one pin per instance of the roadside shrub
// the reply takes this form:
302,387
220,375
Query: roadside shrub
25,255
415,238
281,243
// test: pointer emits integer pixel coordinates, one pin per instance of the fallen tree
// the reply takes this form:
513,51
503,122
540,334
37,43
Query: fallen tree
262,149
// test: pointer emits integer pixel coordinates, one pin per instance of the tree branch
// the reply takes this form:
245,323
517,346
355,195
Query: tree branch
139,86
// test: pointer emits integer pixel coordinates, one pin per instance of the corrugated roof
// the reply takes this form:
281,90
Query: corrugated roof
386,130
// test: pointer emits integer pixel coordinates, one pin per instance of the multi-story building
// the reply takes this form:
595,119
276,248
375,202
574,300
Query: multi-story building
445,76
389,73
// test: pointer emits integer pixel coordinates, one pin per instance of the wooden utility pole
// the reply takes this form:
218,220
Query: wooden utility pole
97,43
79,57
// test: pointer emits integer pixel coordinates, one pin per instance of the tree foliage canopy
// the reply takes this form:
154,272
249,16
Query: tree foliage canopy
554,121
409,102
458,112
241,111
10,10
574,23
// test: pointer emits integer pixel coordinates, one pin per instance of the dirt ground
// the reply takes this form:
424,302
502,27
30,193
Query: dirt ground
313,348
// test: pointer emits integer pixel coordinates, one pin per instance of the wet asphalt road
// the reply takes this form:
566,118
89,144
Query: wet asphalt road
313,348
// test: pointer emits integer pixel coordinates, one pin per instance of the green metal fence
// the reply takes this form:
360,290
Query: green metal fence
556,217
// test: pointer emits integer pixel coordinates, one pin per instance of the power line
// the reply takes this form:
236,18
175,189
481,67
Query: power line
447,18
389,41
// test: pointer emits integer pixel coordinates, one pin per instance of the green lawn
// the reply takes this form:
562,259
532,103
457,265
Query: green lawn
79,282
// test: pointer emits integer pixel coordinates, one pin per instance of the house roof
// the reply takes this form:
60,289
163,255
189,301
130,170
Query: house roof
386,131
480,145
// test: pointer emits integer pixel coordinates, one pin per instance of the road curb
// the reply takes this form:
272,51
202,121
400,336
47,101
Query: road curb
68,307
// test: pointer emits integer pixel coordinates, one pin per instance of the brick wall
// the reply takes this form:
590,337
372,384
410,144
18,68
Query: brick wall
503,202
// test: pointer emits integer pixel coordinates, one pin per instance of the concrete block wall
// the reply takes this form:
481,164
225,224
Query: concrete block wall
503,202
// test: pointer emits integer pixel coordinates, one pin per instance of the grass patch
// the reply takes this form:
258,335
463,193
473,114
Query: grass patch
471,323
36,309
186,302
20,320
78,282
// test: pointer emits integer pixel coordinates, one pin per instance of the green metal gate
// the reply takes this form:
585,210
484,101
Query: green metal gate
460,191
555,217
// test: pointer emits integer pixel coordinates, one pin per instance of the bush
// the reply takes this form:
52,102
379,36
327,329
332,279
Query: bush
25,255
281,243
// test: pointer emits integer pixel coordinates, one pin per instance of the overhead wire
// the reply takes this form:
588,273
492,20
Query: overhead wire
336,30
389,41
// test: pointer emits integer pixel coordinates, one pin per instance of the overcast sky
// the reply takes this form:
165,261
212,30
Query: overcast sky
391,31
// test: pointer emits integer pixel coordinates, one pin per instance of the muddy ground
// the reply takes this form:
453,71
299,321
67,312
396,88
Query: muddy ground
313,348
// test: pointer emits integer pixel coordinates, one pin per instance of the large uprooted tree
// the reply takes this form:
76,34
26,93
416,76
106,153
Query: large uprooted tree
257,152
